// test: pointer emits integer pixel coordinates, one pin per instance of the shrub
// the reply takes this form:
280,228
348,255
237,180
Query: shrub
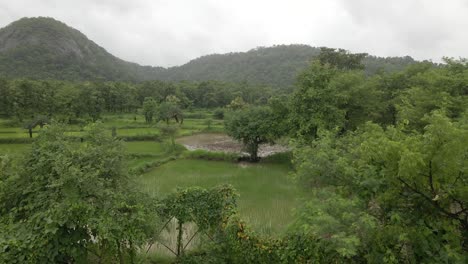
237,244
218,114
153,137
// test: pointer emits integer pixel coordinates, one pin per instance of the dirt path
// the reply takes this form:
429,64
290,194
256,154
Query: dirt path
223,143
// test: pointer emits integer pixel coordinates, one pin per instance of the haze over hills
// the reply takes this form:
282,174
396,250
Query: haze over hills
43,48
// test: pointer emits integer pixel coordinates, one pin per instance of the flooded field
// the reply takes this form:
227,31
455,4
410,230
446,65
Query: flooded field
220,142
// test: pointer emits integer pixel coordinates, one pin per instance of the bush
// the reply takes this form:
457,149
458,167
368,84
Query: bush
153,137
218,114
237,244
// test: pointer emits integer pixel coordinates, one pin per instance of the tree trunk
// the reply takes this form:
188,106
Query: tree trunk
253,151
119,252
179,238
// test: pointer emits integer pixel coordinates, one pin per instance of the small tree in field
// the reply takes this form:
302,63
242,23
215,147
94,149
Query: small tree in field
253,126
149,109
170,132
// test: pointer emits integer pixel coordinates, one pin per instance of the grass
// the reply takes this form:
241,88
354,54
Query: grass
266,194
13,148
145,148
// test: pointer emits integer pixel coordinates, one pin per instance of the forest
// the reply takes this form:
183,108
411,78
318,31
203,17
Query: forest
365,167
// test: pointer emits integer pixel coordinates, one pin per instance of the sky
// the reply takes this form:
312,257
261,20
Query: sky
173,32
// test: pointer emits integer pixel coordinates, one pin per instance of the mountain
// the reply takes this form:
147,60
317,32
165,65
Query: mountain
43,48
46,48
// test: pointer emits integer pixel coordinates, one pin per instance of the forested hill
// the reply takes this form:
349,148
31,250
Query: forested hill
46,48
43,48
275,66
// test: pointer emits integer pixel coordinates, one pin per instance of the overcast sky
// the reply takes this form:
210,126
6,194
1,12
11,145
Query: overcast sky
172,32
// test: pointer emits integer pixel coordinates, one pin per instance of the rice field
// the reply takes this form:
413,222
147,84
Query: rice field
266,194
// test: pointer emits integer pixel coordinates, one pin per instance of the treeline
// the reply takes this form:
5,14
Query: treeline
26,99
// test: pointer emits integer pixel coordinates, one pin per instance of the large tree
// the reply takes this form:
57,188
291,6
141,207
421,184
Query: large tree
253,126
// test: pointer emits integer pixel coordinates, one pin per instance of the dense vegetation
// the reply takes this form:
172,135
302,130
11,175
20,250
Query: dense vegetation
43,48
380,158
276,66
29,100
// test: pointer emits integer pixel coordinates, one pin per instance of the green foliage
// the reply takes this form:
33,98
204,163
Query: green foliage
64,202
210,209
149,109
315,103
276,66
434,89
408,189
170,132
253,126
331,99
237,104
340,221
341,59
218,114
168,110
237,244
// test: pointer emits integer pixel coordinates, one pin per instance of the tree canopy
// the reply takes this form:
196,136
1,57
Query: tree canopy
64,202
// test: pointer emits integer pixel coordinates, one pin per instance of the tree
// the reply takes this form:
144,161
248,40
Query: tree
92,103
315,103
253,126
411,188
341,59
168,110
150,108
237,103
333,99
65,201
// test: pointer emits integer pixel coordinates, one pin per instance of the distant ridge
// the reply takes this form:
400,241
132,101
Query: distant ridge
44,48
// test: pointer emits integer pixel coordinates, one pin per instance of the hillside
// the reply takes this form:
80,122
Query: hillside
44,48
275,66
